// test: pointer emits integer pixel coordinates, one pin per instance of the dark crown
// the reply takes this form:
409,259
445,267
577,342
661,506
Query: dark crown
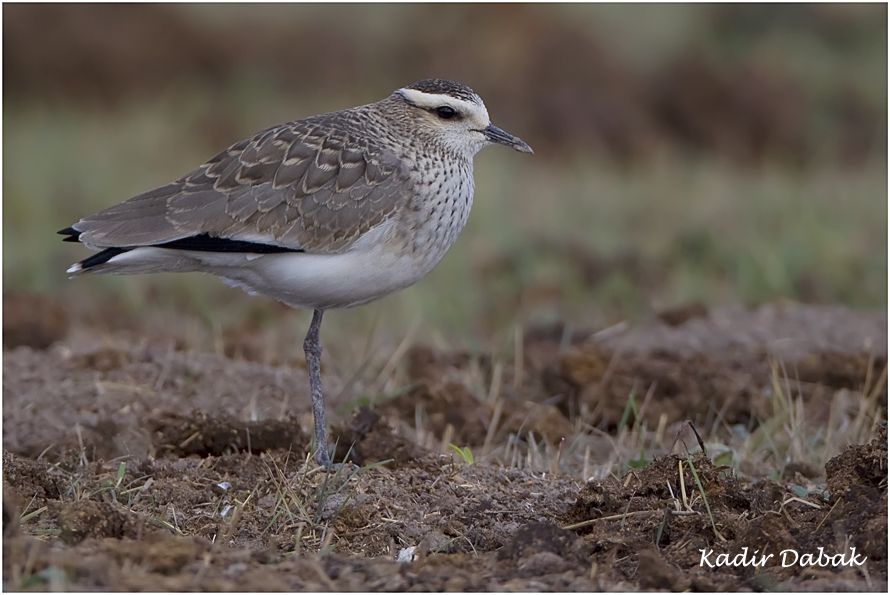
445,87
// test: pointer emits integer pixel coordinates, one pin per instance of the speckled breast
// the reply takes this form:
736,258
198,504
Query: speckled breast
439,208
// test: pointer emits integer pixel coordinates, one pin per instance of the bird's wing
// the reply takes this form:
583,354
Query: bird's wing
302,185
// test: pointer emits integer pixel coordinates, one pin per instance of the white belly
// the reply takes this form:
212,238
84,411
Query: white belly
295,278
323,281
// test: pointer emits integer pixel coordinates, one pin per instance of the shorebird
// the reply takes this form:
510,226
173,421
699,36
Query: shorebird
331,211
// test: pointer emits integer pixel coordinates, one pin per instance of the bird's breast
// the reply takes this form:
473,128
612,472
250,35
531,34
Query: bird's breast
438,211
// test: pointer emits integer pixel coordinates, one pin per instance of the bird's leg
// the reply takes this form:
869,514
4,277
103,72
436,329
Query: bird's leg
312,349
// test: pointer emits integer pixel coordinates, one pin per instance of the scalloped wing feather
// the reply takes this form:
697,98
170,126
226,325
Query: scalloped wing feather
304,185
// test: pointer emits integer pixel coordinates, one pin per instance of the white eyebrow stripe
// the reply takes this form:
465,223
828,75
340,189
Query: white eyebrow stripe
474,110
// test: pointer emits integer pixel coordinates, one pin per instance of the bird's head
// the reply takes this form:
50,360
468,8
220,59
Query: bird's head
454,115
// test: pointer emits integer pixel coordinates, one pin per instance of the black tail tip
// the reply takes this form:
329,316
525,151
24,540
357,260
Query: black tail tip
73,234
101,257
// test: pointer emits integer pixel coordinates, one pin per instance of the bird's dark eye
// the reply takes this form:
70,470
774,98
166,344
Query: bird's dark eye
446,112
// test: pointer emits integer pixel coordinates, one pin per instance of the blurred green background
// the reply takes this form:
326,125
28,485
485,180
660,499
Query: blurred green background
684,153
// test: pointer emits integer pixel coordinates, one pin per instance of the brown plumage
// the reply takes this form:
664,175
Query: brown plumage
312,185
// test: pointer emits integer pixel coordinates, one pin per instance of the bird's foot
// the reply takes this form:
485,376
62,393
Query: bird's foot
323,458
328,466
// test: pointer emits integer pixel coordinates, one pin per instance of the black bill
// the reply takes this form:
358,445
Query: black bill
502,137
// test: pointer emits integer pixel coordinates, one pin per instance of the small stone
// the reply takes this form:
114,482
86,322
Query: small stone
406,555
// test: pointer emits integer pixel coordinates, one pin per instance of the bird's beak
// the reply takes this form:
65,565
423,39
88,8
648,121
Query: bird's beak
502,137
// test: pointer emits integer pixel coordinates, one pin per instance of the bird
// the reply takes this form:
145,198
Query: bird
330,211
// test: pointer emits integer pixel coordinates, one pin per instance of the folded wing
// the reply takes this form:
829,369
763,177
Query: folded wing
301,186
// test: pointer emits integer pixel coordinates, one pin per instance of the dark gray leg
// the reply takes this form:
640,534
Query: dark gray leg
312,349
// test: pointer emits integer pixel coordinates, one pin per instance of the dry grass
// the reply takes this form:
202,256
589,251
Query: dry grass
806,433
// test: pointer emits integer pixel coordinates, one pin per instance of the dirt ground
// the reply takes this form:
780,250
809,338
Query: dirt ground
141,465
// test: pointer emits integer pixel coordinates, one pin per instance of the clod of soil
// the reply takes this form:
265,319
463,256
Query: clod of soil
368,439
204,435
857,483
86,518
